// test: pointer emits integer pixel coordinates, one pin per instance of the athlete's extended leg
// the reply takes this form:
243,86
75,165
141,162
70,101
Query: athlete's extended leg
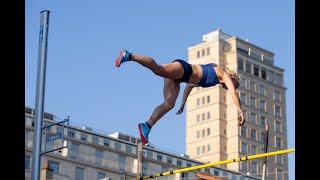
170,91
170,70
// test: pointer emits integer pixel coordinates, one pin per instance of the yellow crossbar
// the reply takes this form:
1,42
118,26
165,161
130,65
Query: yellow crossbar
245,158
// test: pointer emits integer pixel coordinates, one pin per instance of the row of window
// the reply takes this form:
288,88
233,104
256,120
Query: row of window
204,101
55,166
203,52
253,135
256,70
204,132
262,122
253,87
262,104
254,168
204,116
203,149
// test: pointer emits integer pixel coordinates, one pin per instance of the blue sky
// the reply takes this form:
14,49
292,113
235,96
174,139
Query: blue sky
85,38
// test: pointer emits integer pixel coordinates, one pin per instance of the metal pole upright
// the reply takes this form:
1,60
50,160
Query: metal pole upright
41,77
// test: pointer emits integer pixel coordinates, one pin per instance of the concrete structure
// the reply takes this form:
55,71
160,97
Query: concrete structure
212,131
92,155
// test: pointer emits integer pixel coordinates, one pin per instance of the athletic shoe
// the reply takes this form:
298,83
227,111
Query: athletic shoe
123,57
144,132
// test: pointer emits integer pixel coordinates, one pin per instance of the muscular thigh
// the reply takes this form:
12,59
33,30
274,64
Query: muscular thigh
173,70
171,90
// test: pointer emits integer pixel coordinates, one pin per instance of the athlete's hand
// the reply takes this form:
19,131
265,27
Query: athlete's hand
241,119
180,110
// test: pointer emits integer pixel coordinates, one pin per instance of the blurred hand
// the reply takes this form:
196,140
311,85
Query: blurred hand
180,110
241,119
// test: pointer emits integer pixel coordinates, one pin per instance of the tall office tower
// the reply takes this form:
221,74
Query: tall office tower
212,131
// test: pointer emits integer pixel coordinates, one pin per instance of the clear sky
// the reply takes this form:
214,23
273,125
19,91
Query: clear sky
85,38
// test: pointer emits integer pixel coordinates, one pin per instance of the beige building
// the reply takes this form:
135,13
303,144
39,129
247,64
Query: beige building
92,155
212,131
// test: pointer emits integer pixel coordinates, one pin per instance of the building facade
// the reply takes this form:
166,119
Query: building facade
91,155
212,130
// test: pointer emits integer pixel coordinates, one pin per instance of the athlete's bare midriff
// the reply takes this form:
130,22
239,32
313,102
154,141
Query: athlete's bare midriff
196,74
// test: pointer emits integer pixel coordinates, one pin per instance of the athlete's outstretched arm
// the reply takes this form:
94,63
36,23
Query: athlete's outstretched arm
186,93
235,97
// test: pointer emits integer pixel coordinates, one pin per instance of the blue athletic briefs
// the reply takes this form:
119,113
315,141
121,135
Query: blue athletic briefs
209,76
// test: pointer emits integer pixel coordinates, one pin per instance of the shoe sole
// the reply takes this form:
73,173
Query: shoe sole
119,58
143,139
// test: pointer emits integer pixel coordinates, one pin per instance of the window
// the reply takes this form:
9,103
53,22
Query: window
198,150
243,98
149,154
244,148
198,117
169,160
188,164
243,83
95,139
253,118
198,134
203,52
83,136
262,105
248,67
106,142
276,95
262,137
240,64
198,102
264,73
54,166
100,175
252,86
179,163
203,133
271,76
279,174
254,168
203,100
278,142
128,148
253,134
122,162
256,70
208,51
208,99
278,127
203,149
277,111
159,157
262,90
208,147
243,131
208,131
71,133
278,159
252,102
98,157
278,78
262,121
208,115
198,54
203,116
79,173
244,166
26,161
253,149
74,151
117,145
